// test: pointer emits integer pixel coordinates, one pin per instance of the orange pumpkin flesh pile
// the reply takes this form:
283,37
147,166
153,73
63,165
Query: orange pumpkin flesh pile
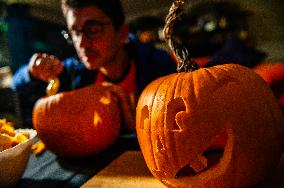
78,123
181,116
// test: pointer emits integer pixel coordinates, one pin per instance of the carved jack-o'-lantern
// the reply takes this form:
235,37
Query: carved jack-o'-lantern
78,123
220,126
213,127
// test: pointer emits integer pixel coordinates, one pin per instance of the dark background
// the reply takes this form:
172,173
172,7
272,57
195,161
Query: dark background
28,26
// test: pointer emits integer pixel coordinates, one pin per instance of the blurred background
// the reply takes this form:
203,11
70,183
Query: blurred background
29,26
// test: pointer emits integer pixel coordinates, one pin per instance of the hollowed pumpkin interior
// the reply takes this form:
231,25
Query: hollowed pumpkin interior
213,154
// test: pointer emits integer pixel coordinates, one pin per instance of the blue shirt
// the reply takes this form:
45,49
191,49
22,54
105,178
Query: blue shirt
150,62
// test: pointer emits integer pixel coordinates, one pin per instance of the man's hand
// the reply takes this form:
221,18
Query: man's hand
45,67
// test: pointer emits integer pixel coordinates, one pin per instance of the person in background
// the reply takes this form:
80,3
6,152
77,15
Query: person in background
217,32
106,52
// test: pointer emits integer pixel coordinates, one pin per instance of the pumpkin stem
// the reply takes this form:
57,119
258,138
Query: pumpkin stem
185,62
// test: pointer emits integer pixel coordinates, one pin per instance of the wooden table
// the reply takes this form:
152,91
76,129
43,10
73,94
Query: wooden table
129,170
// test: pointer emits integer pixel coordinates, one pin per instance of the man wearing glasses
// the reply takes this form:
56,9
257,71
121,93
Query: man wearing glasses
106,52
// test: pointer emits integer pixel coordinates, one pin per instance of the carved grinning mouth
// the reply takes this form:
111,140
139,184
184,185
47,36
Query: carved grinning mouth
213,154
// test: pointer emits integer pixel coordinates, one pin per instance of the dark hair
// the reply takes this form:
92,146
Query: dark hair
112,8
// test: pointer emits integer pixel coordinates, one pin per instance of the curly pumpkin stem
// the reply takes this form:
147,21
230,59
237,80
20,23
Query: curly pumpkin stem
185,62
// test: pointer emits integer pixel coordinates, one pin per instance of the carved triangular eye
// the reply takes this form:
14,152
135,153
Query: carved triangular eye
173,108
144,117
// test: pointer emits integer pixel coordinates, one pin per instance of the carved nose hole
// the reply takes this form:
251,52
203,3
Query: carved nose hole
144,117
213,154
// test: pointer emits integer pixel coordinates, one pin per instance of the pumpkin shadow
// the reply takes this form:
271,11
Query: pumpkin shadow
95,163
276,179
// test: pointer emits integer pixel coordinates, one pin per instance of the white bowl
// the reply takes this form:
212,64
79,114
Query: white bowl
13,161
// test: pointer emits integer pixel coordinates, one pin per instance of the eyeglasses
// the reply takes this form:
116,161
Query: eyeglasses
92,30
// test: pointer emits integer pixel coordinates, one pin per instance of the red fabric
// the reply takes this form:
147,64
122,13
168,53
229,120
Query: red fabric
201,61
273,74
128,104
128,84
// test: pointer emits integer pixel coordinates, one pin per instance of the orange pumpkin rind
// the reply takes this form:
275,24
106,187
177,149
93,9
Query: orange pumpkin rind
181,115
